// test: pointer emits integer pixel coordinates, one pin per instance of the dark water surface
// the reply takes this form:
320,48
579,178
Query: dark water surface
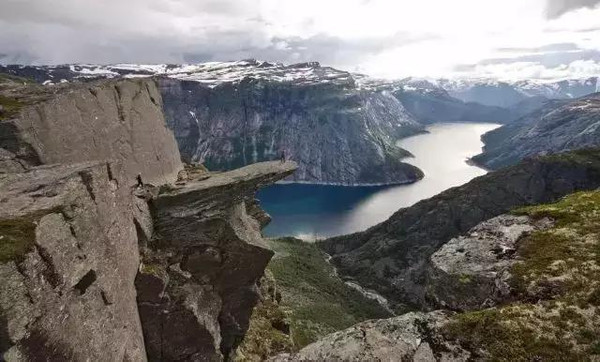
316,211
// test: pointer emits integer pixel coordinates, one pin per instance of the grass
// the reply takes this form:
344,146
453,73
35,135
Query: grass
268,333
17,236
10,107
316,300
557,283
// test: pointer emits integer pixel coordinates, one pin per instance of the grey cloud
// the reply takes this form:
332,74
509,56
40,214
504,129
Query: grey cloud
550,59
556,8
545,49
66,31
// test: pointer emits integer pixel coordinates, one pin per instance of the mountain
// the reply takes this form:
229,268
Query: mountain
430,103
231,114
558,126
393,257
508,94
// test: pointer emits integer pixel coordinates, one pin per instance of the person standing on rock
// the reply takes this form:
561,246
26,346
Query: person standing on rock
282,156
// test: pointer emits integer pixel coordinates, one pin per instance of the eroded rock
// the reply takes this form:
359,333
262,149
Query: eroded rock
409,337
472,271
202,264
69,256
107,120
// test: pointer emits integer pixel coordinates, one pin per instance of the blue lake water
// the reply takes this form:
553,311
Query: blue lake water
317,211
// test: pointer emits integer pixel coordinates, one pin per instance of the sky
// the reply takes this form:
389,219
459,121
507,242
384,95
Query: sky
505,39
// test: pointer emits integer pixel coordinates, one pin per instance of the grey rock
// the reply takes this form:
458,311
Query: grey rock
472,271
409,337
197,287
109,120
69,258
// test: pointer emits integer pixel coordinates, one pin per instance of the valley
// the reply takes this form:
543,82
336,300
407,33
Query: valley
311,212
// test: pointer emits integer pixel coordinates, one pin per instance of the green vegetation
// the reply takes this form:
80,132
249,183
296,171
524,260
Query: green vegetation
9,78
315,299
17,235
557,280
268,333
9,107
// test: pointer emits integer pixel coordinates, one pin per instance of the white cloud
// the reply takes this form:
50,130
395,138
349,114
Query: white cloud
529,70
387,38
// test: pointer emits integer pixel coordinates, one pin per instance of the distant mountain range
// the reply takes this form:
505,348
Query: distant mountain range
508,94
340,126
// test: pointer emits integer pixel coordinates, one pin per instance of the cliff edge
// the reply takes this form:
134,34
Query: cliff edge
109,248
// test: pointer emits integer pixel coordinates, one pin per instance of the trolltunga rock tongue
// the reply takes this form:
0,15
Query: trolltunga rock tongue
197,285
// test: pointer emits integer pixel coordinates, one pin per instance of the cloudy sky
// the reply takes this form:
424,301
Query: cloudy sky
508,39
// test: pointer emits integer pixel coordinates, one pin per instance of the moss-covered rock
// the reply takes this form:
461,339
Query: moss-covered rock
556,283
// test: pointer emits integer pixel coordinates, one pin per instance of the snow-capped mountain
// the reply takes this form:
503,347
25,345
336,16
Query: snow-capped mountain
507,94
210,74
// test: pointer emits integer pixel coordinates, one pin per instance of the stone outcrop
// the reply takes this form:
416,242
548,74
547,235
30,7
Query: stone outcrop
392,257
106,120
472,271
197,284
409,337
68,258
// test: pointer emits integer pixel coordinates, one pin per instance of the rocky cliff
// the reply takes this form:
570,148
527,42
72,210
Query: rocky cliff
109,120
228,115
336,133
392,257
115,251
558,126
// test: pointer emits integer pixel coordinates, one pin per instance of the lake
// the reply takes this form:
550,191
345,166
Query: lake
316,211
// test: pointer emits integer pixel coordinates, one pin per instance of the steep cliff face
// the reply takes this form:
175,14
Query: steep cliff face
86,249
558,126
227,115
336,132
392,257
197,283
109,120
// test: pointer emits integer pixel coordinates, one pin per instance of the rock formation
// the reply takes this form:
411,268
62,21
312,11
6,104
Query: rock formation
68,259
108,120
114,251
197,282
524,286
472,271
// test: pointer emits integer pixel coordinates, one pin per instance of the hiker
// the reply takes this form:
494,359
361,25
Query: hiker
282,156
139,181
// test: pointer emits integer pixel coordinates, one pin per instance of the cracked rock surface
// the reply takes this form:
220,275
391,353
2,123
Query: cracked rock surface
68,258
409,337
197,283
